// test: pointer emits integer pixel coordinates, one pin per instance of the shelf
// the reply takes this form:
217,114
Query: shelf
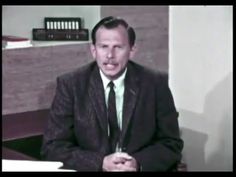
55,43
50,43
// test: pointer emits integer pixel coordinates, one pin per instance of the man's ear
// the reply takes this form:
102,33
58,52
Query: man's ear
93,50
133,51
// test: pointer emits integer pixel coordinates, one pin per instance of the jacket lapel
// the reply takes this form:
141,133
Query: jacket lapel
130,98
97,97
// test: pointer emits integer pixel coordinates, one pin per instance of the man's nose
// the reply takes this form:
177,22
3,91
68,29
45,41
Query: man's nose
110,53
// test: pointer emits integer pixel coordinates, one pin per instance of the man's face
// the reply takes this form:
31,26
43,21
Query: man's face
112,51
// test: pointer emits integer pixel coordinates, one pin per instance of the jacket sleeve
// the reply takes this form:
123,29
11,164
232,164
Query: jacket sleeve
165,150
59,142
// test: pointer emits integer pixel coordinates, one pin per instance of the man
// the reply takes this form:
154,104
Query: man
84,132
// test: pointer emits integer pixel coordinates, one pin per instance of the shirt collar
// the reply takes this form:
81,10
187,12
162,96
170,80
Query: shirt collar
117,82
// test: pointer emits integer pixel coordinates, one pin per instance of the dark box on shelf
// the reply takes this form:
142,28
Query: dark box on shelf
40,34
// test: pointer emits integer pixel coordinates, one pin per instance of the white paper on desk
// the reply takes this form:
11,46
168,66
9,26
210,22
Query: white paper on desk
28,165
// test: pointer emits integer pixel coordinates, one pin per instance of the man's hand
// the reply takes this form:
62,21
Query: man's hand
119,161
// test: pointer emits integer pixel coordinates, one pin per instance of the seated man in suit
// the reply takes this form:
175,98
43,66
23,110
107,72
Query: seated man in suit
113,114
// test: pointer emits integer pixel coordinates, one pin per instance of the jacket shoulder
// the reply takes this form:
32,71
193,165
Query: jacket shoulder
149,73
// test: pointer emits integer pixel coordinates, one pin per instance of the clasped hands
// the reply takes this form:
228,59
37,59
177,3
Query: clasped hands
119,161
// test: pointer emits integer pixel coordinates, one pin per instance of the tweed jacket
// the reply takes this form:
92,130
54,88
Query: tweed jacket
76,133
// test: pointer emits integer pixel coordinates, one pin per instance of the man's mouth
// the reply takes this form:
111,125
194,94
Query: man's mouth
110,65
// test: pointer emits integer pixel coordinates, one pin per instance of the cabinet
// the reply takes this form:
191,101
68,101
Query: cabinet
29,74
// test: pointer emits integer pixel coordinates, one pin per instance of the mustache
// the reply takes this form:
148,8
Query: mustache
110,62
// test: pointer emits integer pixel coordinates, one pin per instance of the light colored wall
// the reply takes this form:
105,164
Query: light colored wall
200,72
20,20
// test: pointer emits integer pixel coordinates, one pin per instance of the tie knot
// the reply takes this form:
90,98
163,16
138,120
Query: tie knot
111,84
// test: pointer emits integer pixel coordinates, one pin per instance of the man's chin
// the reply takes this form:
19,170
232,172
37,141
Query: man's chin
111,74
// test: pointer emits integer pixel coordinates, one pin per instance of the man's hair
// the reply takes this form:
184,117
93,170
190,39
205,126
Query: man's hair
113,22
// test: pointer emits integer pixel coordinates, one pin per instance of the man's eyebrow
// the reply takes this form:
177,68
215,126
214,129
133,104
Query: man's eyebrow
101,44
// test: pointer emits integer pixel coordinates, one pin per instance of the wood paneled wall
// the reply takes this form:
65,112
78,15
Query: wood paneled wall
151,25
29,75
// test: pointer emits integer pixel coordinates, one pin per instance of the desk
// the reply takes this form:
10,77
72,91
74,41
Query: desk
27,165
22,134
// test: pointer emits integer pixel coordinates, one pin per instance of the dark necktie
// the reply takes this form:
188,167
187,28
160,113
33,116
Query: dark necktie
112,118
